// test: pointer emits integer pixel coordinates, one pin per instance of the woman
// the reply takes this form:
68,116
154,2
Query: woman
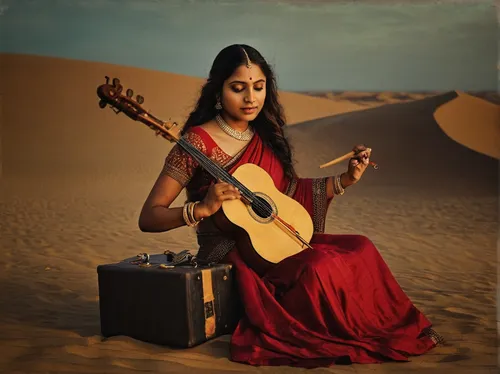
335,303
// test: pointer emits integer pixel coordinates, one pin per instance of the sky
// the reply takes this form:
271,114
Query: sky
313,46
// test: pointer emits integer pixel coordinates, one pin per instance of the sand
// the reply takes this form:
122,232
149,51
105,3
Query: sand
75,177
482,134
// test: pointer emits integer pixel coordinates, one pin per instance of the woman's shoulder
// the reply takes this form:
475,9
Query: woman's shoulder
200,138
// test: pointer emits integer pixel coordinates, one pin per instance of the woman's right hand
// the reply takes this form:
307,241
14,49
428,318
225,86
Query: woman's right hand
216,194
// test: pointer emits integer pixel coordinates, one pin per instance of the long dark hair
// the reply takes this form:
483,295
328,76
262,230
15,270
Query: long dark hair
270,121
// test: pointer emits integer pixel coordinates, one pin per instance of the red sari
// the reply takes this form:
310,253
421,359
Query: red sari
335,304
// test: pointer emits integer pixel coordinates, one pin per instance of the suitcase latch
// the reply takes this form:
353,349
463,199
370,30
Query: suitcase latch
142,260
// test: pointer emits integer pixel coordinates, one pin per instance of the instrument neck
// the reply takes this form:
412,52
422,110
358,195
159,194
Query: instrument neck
214,169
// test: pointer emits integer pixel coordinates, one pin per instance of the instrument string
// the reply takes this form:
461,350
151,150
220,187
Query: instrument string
218,172
221,174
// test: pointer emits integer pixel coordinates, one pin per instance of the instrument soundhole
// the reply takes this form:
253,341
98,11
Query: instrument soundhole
262,208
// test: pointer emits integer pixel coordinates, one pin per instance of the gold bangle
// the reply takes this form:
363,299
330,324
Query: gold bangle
337,186
341,189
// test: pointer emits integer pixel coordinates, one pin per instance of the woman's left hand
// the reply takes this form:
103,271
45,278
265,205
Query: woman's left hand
358,163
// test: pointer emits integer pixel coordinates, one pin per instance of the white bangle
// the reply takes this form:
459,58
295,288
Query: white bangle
188,214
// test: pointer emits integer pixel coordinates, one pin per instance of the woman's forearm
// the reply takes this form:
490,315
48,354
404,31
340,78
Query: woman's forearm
345,180
161,219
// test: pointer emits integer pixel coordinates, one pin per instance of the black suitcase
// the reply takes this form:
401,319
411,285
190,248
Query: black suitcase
150,299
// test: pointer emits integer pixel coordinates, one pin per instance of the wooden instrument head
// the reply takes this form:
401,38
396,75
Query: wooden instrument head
111,94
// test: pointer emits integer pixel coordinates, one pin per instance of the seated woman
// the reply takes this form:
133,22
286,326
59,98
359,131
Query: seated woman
336,302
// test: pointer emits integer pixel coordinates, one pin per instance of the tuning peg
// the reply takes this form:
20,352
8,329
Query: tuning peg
102,104
140,99
116,82
130,93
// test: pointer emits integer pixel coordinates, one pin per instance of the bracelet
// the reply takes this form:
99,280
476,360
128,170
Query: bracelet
185,215
337,186
191,213
188,214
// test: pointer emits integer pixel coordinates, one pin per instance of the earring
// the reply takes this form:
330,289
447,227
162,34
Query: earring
218,106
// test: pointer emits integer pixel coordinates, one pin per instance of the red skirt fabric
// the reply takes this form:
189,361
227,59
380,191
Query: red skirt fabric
335,304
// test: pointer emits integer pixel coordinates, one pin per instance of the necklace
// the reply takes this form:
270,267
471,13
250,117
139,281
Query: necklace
243,136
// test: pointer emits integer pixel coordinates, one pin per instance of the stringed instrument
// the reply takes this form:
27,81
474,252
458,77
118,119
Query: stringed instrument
268,226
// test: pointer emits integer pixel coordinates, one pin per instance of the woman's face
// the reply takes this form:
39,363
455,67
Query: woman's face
244,93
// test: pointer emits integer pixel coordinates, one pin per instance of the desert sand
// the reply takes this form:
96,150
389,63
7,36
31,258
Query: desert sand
75,177
458,121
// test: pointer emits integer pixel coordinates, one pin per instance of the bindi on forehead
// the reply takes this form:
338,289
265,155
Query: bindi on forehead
243,74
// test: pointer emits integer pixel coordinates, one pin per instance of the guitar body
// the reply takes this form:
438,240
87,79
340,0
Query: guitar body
261,241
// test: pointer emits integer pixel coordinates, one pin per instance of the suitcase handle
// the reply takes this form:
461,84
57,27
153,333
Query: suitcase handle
182,258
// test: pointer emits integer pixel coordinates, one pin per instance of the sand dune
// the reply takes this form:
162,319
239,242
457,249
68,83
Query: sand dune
472,122
65,103
407,142
75,178
371,99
